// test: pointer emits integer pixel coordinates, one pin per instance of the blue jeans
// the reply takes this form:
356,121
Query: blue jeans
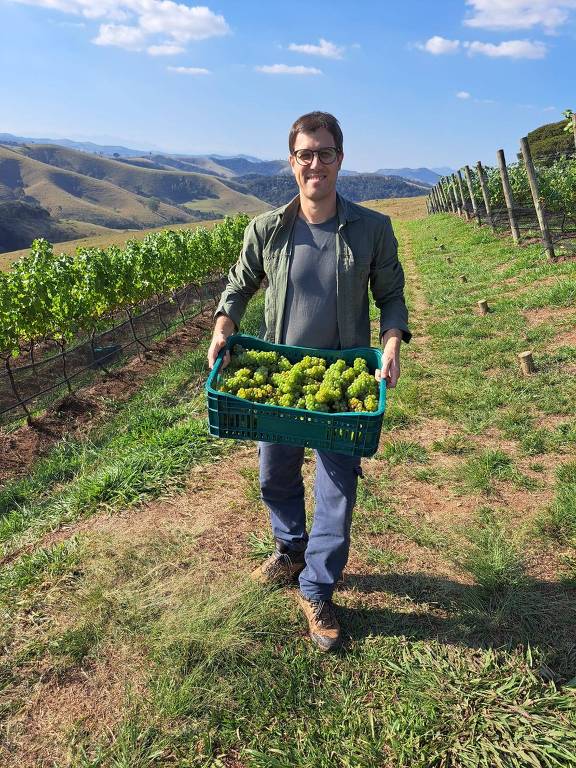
327,546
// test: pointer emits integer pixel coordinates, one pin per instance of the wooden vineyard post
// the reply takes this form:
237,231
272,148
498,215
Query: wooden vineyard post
439,199
455,193
462,197
540,212
450,188
485,193
508,196
434,201
428,207
447,194
471,192
442,197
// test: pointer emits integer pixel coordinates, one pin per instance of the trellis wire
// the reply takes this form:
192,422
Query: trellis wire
24,384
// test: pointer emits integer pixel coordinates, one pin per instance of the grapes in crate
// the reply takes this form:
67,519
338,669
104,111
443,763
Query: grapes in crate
311,384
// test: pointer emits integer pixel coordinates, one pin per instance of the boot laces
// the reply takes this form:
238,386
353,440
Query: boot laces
324,613
280,559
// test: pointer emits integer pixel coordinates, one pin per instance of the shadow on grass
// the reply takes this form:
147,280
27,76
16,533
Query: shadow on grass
539,614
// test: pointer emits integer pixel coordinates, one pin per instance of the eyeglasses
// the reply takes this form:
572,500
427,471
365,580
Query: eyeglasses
326,155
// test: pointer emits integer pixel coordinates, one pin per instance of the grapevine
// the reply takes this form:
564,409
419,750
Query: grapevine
45,295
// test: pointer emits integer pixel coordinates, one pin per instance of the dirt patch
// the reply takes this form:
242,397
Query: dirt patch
565,339
91,700
73,414
546,314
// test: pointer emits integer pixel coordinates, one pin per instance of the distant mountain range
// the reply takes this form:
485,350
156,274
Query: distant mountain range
66,190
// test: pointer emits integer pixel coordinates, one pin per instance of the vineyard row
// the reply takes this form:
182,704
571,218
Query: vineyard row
57,297
525,193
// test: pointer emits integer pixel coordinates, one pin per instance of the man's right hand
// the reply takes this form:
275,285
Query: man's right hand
222,330
218,341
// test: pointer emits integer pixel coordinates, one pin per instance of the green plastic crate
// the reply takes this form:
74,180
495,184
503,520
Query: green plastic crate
352,433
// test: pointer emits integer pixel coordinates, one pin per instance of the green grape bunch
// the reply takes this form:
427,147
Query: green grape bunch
311,384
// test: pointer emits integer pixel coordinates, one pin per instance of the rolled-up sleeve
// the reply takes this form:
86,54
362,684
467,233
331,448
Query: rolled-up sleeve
244,278
387,284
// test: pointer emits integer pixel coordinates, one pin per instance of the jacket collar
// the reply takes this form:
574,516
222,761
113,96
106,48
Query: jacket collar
344,209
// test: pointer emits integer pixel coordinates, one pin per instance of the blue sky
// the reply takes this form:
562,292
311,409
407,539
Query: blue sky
417,82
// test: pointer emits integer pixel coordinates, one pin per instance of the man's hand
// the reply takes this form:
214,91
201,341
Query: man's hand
224,327
390,370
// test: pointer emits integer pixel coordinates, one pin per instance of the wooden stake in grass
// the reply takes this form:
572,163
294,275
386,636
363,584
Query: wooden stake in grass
533,181
456,198
527,363
507,189
483,307
462,197
468,174
485,194
447,195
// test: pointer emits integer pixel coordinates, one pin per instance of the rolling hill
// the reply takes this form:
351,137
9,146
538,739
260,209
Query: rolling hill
81,193
550,141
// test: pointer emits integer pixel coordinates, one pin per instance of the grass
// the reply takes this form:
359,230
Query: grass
492,465
403,451
252,484
454,445
493,559
559,520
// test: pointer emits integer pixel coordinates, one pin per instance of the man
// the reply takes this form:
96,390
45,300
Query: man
319,254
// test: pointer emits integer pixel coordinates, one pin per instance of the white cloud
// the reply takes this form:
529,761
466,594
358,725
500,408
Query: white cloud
285,69
143,21
180,21
512,49
439,45
166,49
189,70
549,109
462,95
519,14
120,35
324,48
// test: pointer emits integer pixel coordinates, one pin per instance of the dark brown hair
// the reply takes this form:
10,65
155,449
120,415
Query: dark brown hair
311,122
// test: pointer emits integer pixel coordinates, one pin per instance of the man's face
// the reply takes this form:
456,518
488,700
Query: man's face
315,181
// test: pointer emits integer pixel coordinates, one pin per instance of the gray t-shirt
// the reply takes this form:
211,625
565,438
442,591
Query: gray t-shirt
310,318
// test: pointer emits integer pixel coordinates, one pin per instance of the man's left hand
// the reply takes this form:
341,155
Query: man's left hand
390,370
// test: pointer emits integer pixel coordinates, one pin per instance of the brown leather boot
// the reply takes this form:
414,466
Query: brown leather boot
324,628
282,567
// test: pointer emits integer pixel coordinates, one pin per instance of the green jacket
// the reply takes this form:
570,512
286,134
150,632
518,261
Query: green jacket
366,253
